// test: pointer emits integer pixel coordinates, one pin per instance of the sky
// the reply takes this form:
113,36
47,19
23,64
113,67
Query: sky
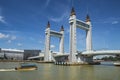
23,23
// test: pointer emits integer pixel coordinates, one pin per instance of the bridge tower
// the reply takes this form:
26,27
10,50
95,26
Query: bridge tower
61,47
88,34
47,42
48,33
74,24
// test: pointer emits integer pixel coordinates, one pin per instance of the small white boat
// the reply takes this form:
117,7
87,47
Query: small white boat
116,63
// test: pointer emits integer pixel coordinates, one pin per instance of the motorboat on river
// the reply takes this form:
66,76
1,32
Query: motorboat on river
26,66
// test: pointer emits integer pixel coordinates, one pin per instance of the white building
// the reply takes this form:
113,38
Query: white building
11,54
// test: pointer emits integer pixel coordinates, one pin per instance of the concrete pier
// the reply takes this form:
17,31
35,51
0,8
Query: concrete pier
76,63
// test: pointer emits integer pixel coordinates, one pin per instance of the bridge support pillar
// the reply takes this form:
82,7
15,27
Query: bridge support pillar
61,47
47,43
88,35
88,40
85,59
72,21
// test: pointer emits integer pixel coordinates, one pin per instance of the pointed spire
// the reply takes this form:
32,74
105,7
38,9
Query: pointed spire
87,18
72,12
48,25
62,28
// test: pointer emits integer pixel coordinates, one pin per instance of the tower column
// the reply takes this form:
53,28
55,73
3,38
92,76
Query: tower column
61,47
88,35
47,43
72,21
88,40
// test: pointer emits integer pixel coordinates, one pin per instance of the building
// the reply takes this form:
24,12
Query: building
15,54
31,53
11,54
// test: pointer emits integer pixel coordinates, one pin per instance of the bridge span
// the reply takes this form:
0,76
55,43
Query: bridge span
85,56
101,52
81,57
93,53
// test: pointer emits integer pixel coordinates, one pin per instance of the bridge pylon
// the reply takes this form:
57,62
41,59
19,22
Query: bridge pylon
88,34
74,24
48,33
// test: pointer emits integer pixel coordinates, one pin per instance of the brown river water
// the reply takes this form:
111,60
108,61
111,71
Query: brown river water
105,71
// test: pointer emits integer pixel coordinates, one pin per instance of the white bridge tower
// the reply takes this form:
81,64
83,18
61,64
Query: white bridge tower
48,34
74,24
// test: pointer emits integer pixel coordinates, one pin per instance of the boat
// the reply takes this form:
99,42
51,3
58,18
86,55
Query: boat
116,63
24,67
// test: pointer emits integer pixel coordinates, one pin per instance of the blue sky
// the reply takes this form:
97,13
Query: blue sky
23,22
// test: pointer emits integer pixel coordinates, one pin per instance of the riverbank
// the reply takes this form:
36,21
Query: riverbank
18,61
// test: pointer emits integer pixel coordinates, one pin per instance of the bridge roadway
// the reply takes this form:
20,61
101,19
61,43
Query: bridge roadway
86,53
94,53
101,52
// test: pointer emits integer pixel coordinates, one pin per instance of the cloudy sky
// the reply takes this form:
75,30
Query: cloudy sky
23,22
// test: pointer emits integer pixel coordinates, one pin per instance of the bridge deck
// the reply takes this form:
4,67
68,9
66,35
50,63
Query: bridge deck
93,53
101,52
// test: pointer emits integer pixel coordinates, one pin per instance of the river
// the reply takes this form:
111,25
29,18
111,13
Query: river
57,72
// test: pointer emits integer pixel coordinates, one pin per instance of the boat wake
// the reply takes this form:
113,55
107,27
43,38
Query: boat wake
7,70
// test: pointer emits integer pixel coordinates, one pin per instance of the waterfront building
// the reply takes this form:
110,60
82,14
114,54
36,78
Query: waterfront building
11,54
31,53
16,54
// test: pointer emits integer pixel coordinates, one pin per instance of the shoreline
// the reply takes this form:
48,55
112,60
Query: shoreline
17,61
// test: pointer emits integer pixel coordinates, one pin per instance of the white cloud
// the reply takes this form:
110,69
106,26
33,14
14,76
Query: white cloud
2,20
13,37
10,31
19,44
115,22
3,35
58,19
47,3
41,42
109,20
9,41
8,37
52,46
